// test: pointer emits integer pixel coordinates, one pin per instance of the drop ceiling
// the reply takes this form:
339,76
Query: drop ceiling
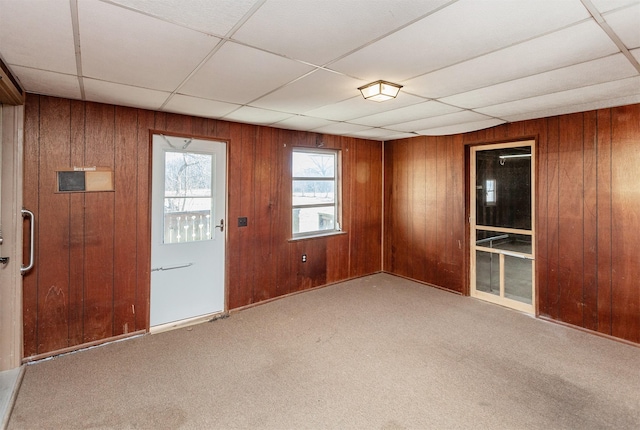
464,64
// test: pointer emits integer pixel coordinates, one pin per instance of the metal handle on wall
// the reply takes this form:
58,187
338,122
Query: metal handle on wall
25,269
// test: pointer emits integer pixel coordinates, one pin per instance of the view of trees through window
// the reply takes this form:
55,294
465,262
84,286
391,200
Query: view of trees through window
188,197
314,191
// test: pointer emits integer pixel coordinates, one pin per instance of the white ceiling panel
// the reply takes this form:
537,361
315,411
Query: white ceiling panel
238,74
215,17
580,75
414,112
607,5
574,108
456,34
626,24
252,115
461,128
358,107
48,83
439,121
605,91
44,35
301,122
256,61
341,128
126,47
318,89
199,107
378,134
569,46
108,92
327,29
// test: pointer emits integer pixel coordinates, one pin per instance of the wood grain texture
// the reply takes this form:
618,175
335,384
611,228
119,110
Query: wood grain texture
95,251
625,217
603,214
587,208
99,232
53,227
30,201
571,226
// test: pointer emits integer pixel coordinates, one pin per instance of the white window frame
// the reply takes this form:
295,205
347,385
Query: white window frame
491,192
336,179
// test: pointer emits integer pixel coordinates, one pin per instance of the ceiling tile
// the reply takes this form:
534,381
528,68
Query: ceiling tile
626,24
569,46
574,108
48,83
455,34
340,128
357,107
44,35
253,115
318,31
580,75
604,91
238,74
199,107
607,5
439,121
301,122
377,134
414,112
108,92
461,128
158,58
636,54
216,17
319,88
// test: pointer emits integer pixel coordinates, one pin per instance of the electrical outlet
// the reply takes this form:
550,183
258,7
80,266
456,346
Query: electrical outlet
242,221
304,258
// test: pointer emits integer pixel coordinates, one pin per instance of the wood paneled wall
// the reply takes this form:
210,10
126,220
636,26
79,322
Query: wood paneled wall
587,214
91,279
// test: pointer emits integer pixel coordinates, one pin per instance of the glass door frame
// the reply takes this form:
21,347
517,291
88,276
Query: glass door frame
473,227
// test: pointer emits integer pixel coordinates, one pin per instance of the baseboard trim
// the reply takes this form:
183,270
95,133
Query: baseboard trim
82,346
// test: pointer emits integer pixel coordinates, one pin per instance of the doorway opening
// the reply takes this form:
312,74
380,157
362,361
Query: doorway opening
502,225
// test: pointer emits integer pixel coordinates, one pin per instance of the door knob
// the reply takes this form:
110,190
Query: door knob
221,226
4,260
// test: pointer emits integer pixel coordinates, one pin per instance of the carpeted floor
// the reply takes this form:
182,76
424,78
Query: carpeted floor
379,352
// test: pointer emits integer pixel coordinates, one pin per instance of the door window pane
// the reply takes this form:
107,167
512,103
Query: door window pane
503,187
488,272
504,241
517,278
188,202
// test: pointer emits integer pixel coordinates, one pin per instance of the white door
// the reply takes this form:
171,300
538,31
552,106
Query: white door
188,209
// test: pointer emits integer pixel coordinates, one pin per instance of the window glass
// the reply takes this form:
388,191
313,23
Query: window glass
314,192
188,199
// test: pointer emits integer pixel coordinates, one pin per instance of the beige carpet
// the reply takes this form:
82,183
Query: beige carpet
378,352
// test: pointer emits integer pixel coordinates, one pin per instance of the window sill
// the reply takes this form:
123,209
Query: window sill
317,236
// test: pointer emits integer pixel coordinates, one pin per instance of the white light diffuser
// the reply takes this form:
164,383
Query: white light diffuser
380,91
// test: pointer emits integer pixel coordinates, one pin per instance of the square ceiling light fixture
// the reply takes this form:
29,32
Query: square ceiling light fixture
380,91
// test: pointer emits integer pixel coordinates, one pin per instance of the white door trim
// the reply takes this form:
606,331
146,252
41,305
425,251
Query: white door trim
11,139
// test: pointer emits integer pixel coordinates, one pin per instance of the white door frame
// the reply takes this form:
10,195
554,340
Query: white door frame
11,160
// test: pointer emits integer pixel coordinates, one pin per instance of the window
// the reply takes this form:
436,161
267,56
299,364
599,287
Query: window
315,192
490,192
